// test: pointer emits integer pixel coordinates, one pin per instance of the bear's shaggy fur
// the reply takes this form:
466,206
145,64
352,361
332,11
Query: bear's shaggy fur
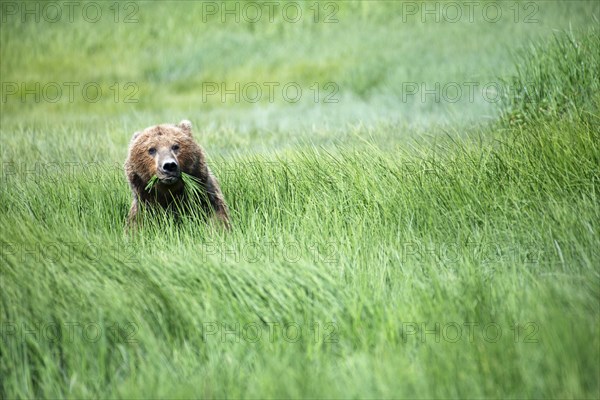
166,151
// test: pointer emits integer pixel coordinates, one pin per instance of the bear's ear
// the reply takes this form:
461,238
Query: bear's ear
186,127
135,135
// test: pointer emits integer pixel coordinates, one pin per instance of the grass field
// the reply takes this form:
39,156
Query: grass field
385,243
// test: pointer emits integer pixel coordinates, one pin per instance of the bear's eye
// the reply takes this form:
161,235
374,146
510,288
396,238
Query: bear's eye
175,147
152,151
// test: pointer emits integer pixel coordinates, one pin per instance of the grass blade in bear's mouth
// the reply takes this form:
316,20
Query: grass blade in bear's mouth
151,183
189,181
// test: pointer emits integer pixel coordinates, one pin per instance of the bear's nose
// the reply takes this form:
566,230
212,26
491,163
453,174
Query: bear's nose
170,166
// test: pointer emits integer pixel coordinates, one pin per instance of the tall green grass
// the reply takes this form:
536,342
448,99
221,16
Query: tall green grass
559,80
504,233
376,253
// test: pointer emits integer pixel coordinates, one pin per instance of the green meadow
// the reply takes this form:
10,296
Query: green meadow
414,191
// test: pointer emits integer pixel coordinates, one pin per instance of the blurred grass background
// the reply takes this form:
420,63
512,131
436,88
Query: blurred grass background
371,54
372,219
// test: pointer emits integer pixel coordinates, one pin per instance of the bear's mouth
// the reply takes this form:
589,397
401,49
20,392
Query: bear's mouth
168,179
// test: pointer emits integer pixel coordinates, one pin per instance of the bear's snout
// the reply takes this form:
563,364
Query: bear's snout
170,167
168,171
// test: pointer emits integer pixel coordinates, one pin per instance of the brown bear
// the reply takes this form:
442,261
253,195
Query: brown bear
167,151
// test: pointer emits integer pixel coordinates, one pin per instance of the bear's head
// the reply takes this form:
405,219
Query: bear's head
165,151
